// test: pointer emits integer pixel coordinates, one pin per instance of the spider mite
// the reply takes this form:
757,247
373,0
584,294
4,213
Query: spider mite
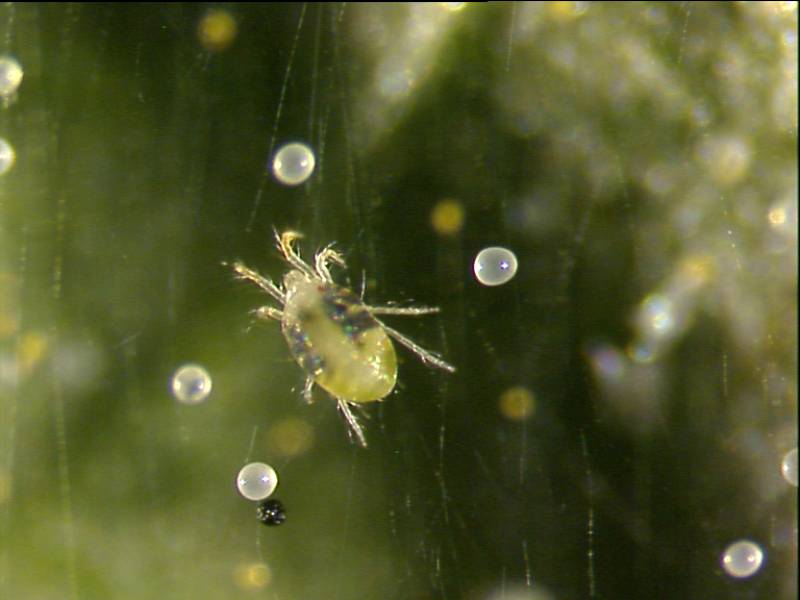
336,338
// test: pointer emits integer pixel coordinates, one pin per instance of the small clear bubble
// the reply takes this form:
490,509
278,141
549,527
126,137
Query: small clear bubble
257,481
742,559
191,384
495,266
293,164
789,467
7,156
10,76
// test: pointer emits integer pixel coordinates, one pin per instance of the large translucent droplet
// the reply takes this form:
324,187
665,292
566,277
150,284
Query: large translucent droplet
495,266
293,164
191,384
742,559
256,481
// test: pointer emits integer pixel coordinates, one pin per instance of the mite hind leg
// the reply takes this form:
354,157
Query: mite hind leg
308,390
410,311
352,422
427,357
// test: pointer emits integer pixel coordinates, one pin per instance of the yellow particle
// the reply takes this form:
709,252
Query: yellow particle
8,325
216,30
697,269
5,487
9,314
517,403
32,349
726,158
777,216
291,437
567,10
447,217
253,576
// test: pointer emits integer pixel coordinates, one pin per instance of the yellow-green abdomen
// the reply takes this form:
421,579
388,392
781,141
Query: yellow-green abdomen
333,336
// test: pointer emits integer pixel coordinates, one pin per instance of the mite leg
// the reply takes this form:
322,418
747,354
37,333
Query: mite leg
412,311
267,313
429,358
355,428
308,388
246,273
325,256
285,241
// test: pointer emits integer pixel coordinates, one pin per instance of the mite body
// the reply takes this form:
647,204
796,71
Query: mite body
336,338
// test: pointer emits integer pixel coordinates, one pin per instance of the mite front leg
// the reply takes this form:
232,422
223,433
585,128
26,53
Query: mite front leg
268,313
246,273
285,245
325,256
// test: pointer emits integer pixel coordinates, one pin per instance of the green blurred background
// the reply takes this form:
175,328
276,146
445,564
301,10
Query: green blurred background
621,407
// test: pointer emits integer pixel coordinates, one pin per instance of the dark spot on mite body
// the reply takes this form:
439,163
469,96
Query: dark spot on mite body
347,310
302,349
305,316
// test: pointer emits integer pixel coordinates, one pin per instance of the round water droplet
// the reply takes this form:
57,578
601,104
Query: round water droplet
7,156
293,164
742,559
495,266
191,384
789,467
10,76
256,481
